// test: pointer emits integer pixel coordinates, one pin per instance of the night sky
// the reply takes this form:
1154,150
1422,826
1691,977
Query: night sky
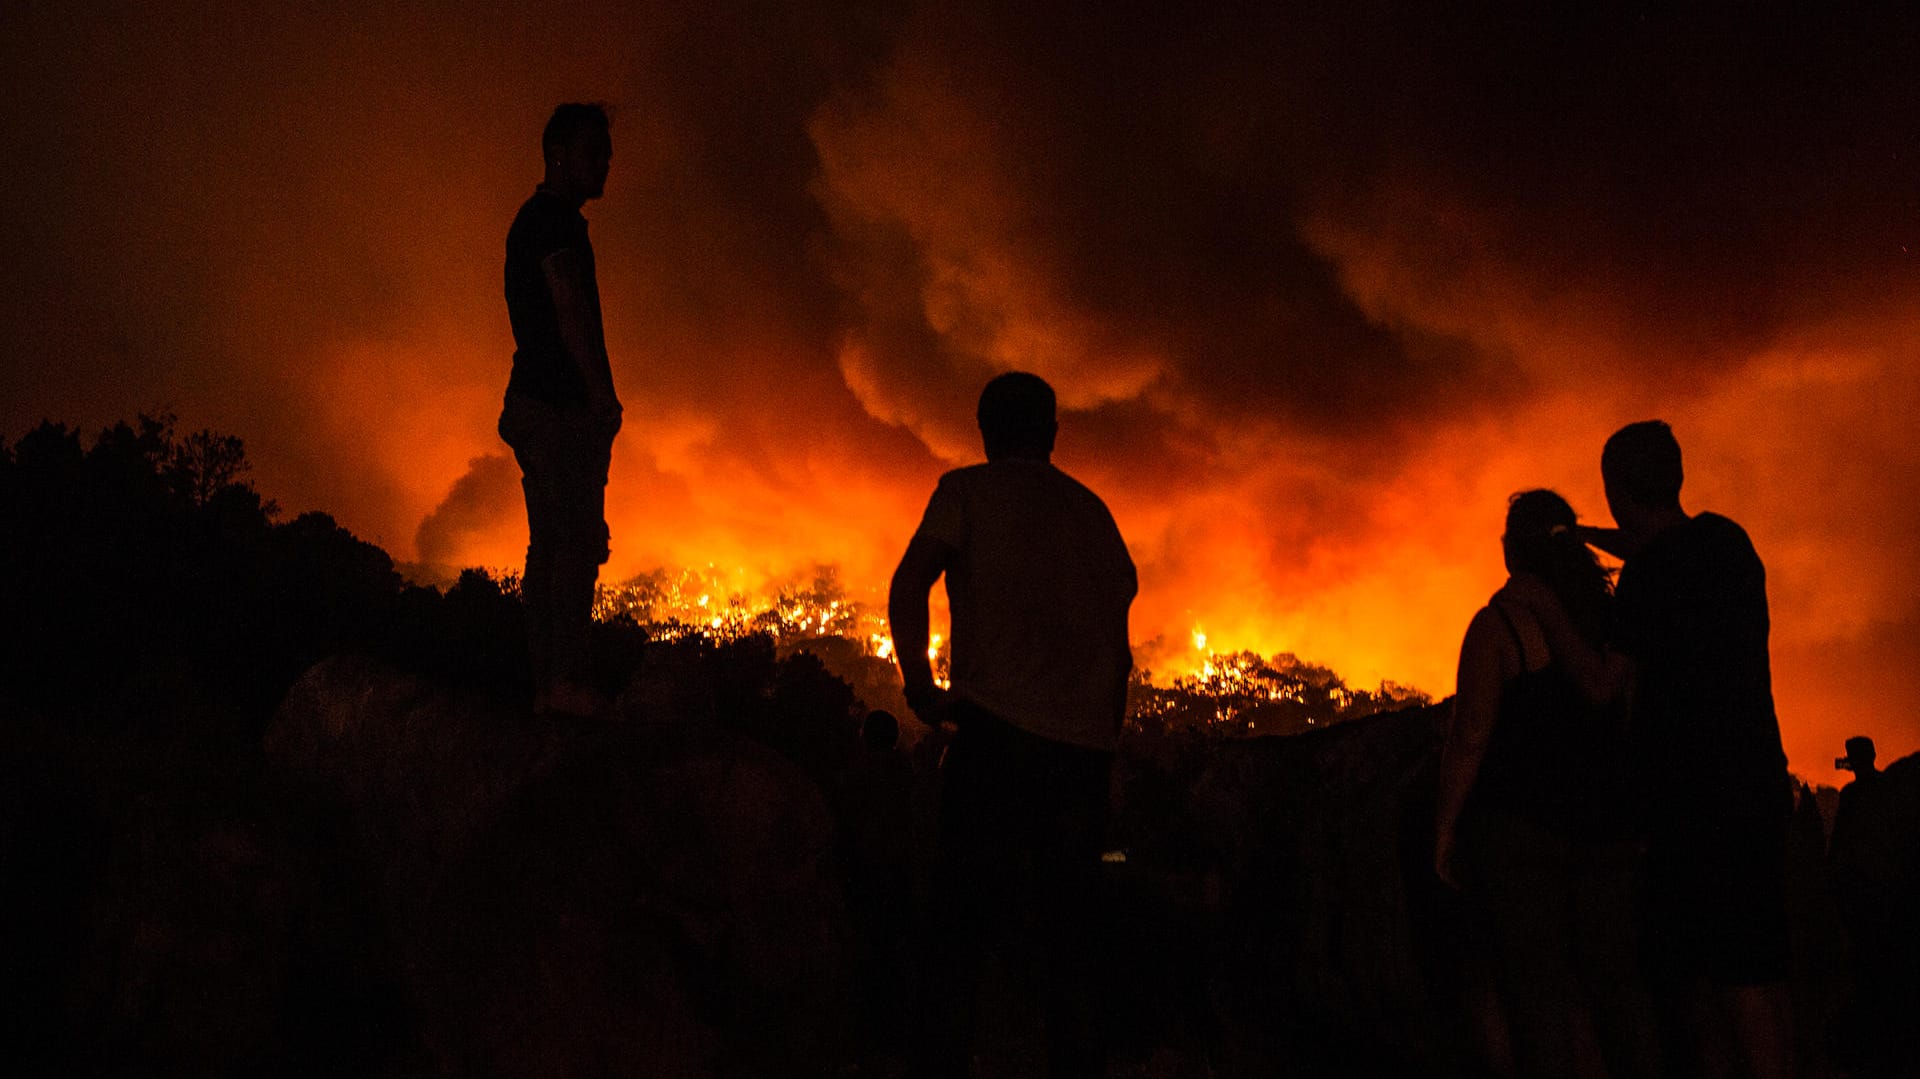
1318,288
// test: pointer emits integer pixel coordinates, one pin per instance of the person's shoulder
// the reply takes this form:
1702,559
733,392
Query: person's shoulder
955,489
1026,478
1060,476
1705,535
1720,529
1720,539
1011,474
1073,488
544,218
958,481
1489,637
539,206
1495,617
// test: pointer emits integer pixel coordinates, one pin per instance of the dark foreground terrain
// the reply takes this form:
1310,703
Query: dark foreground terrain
416,879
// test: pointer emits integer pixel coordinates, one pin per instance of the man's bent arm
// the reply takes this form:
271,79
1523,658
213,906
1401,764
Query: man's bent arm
577,304
926,559
1611,540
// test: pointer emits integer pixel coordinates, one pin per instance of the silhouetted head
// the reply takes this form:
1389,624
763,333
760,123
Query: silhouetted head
577,146
1017,417
881,730
1860,755
1539,523
1641,469
1540,539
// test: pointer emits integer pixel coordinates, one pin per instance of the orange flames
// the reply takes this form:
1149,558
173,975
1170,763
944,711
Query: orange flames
1236,691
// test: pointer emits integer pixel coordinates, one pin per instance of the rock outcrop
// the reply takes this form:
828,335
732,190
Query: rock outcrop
641,895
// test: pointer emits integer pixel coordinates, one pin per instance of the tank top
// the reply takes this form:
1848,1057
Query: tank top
1534,766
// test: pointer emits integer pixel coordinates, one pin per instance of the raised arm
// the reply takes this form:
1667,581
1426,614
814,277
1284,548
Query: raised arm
926,559
576,301
1611,540
1484,660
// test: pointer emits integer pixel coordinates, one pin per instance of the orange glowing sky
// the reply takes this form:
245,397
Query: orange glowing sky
1319,287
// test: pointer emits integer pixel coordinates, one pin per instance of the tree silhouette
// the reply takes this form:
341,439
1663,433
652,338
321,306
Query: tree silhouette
204,463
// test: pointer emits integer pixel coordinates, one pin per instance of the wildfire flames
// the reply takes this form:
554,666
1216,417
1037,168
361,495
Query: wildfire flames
1232,692
716,604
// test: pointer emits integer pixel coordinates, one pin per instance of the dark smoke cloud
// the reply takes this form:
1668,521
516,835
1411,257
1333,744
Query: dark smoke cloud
488,492
1062,215
1173,199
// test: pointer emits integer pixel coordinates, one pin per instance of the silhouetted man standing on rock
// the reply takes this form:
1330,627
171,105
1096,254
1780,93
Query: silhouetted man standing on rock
1039,582
1690,653
561,413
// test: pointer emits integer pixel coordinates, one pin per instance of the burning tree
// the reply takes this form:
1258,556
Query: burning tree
1241,693
712,603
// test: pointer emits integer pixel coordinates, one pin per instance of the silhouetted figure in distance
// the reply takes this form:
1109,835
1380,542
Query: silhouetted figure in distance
1689,651
561,413
1039,583
1535,823
1870,859
1860,760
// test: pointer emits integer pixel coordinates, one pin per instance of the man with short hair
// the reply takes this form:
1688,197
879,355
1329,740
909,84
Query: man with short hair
1039,583
1690,653
561,413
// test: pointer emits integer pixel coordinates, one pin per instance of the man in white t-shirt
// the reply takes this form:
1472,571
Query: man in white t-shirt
1039,582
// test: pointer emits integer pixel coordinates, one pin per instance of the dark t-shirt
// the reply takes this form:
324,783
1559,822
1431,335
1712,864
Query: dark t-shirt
1692,612
541,367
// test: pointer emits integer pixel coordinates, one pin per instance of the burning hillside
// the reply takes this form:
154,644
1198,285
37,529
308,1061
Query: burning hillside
1234,692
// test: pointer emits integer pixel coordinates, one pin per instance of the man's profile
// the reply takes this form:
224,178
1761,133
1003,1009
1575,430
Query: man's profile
1039,583
561,413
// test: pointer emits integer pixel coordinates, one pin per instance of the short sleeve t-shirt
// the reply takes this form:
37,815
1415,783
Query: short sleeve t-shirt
541,367
1039,591
1692,613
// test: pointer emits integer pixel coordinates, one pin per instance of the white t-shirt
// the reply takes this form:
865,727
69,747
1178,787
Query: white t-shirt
1039,593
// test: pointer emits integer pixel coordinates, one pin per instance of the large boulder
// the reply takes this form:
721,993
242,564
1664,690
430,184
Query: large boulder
645,894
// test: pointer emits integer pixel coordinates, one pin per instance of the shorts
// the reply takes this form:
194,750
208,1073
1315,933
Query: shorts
563,455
